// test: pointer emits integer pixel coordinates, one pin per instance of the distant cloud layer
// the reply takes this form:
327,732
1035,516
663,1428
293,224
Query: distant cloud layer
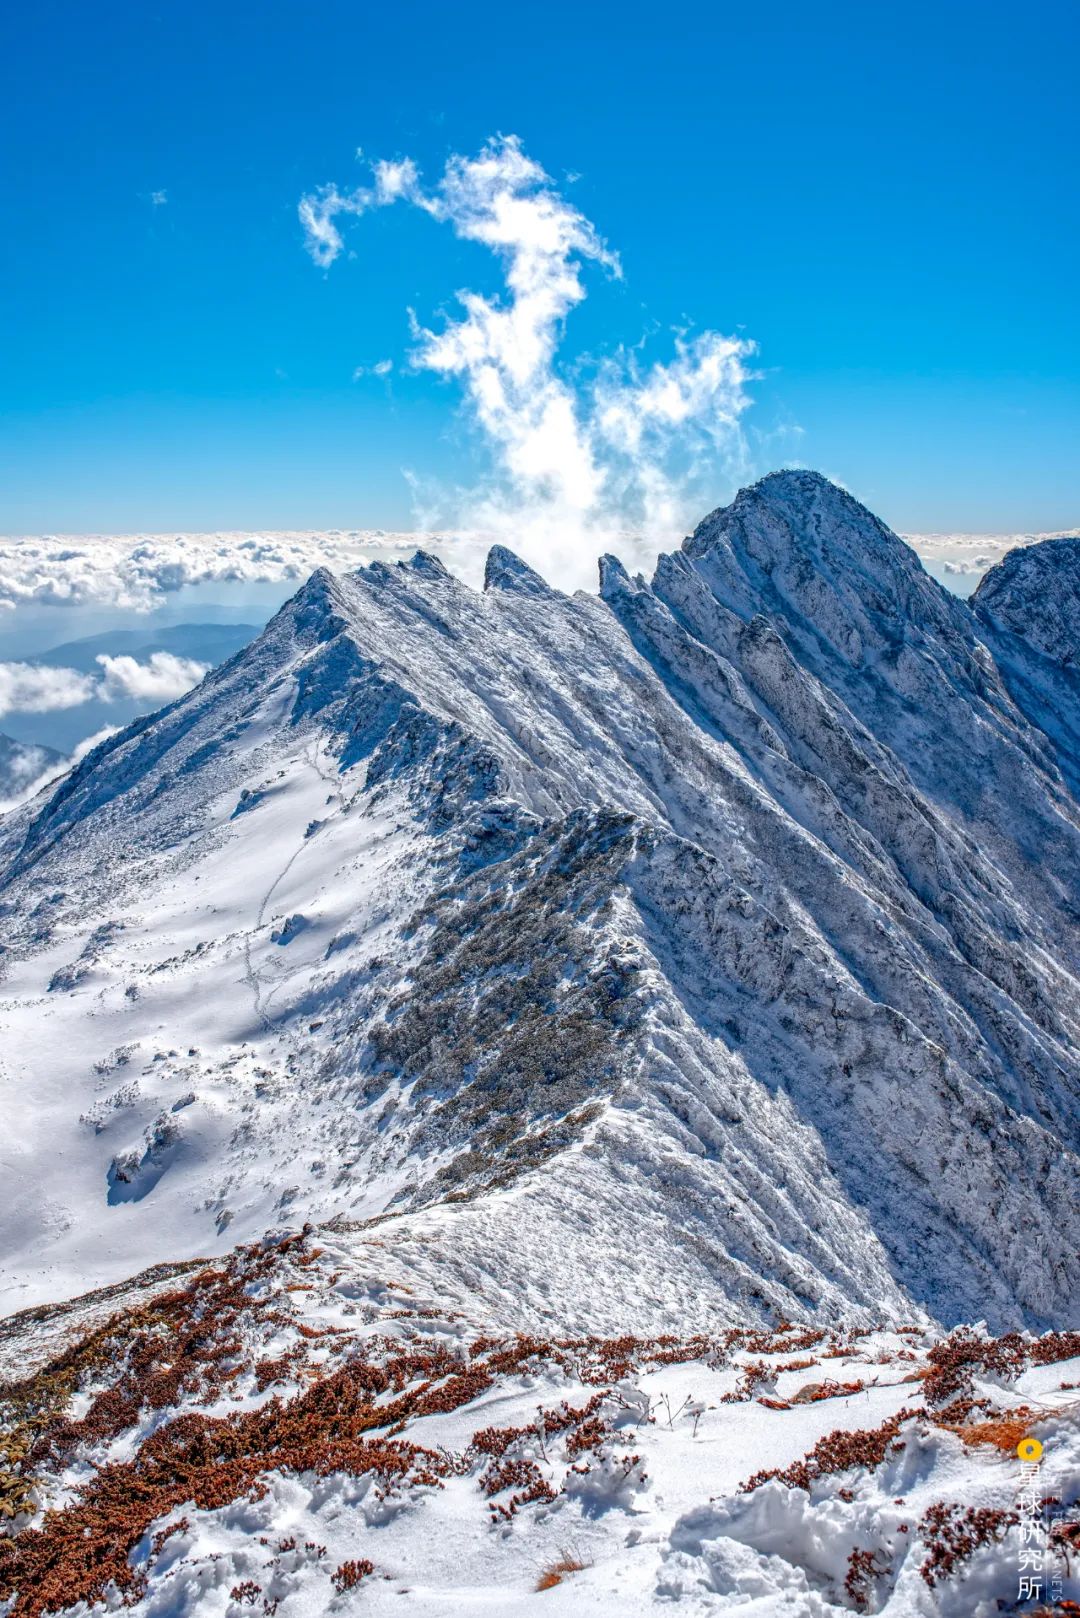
969,556
37,688
140,572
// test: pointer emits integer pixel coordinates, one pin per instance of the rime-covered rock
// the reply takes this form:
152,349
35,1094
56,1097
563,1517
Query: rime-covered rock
1034,592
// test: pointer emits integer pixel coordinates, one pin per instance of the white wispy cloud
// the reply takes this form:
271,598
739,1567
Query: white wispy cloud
163,677
27,764
88,743
32,772
40,688
577,462
31,688
380,368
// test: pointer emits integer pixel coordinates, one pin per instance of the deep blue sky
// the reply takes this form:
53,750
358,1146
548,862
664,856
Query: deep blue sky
884,198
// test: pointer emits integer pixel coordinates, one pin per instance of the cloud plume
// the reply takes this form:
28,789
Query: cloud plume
578,461
32,770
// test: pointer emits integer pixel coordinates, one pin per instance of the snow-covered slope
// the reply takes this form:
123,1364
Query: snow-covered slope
703,952
299,1432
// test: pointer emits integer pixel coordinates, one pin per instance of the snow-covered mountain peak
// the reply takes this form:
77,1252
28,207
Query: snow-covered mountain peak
429,565
505,570
1034,593
800,547
317,611
635,993
558,929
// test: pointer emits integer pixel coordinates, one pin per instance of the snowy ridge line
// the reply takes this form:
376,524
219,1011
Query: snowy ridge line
729,917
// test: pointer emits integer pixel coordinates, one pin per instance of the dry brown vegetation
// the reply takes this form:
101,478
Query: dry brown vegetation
557,1572
952,1533
962,1355
837,1452
863,1570
349,1574
186,1349
1003,1432
335,1401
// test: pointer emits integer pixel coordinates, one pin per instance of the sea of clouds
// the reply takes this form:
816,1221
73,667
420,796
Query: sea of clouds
141,573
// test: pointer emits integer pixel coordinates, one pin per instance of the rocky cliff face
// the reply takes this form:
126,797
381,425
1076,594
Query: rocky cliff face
1034,594
702,951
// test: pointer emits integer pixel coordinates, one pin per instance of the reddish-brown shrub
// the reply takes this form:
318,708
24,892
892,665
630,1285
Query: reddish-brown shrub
863,1571
952,1533
838,1452
349,1574
555,1574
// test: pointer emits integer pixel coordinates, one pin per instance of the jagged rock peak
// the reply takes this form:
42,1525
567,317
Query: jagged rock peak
429,566
808,505
1034,592
319,586
506,571
795,542
318,608
736,922
614,579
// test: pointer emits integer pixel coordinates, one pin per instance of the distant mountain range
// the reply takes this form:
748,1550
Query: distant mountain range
206,643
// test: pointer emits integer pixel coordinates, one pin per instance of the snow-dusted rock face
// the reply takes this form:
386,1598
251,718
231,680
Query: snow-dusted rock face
1028,609
703,952
1035,593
